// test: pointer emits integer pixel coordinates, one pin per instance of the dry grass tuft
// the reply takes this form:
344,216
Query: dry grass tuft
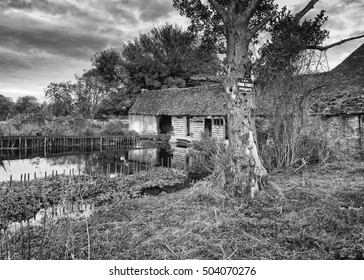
204,191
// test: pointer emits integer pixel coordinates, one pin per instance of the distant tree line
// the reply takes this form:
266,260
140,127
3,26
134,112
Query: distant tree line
25,104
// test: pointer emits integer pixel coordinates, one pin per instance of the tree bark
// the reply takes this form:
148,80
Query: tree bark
246,169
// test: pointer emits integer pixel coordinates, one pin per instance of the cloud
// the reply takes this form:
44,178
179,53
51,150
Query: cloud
50,40
56,7
155,10
150,10
58,41
348,2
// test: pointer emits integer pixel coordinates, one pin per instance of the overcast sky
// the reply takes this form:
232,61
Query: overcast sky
43,41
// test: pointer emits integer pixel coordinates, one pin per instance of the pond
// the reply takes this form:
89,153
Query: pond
80,161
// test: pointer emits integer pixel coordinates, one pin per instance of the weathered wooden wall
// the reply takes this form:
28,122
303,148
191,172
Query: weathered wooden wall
143,124
197,126
345,132
179,125
149,125
218,128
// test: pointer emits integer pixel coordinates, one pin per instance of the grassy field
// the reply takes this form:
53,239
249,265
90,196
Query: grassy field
315,214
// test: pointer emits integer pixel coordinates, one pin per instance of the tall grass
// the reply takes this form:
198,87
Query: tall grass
41,124
293,143
116,128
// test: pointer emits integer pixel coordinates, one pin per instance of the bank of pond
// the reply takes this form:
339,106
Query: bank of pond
22,202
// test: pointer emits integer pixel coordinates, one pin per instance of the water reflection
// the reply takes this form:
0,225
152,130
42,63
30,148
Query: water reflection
112,162
74,210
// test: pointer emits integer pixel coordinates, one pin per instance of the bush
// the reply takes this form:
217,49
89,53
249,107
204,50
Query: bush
209,156
292,149
117,128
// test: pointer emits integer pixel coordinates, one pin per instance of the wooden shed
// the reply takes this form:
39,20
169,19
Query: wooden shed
186,113
342,102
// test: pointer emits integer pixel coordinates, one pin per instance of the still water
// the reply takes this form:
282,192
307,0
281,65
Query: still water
79,161
92,162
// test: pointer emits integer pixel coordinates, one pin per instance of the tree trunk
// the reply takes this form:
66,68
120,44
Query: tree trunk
247,174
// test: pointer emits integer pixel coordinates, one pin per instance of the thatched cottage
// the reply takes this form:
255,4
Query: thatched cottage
186,113
342,102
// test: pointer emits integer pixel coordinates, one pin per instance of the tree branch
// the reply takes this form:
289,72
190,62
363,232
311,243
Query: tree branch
237,6
220,10
261,24
252,7
305,10
324,48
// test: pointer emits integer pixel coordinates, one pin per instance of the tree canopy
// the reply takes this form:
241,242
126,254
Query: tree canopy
6,107
27,104
59,96
167,56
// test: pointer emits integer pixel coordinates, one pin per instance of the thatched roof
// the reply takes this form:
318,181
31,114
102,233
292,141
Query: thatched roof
344,93
193,101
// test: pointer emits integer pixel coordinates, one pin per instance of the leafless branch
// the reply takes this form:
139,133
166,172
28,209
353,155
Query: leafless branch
324,48
305,10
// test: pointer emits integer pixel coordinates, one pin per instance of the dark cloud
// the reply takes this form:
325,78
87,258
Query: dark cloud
56,41
155,10
54,8
49,40
348,2
13,62
150,10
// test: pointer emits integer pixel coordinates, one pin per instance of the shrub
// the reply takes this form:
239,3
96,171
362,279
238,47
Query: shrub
210,157
115,128
295,147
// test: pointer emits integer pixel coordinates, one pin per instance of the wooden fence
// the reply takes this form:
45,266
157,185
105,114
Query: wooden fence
115,169
26,146
34,142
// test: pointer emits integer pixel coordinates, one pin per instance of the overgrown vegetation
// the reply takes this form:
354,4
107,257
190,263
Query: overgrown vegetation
288,147
116,128
72,125
316,214
21,201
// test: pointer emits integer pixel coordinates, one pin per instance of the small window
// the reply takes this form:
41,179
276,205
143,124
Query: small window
218,122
